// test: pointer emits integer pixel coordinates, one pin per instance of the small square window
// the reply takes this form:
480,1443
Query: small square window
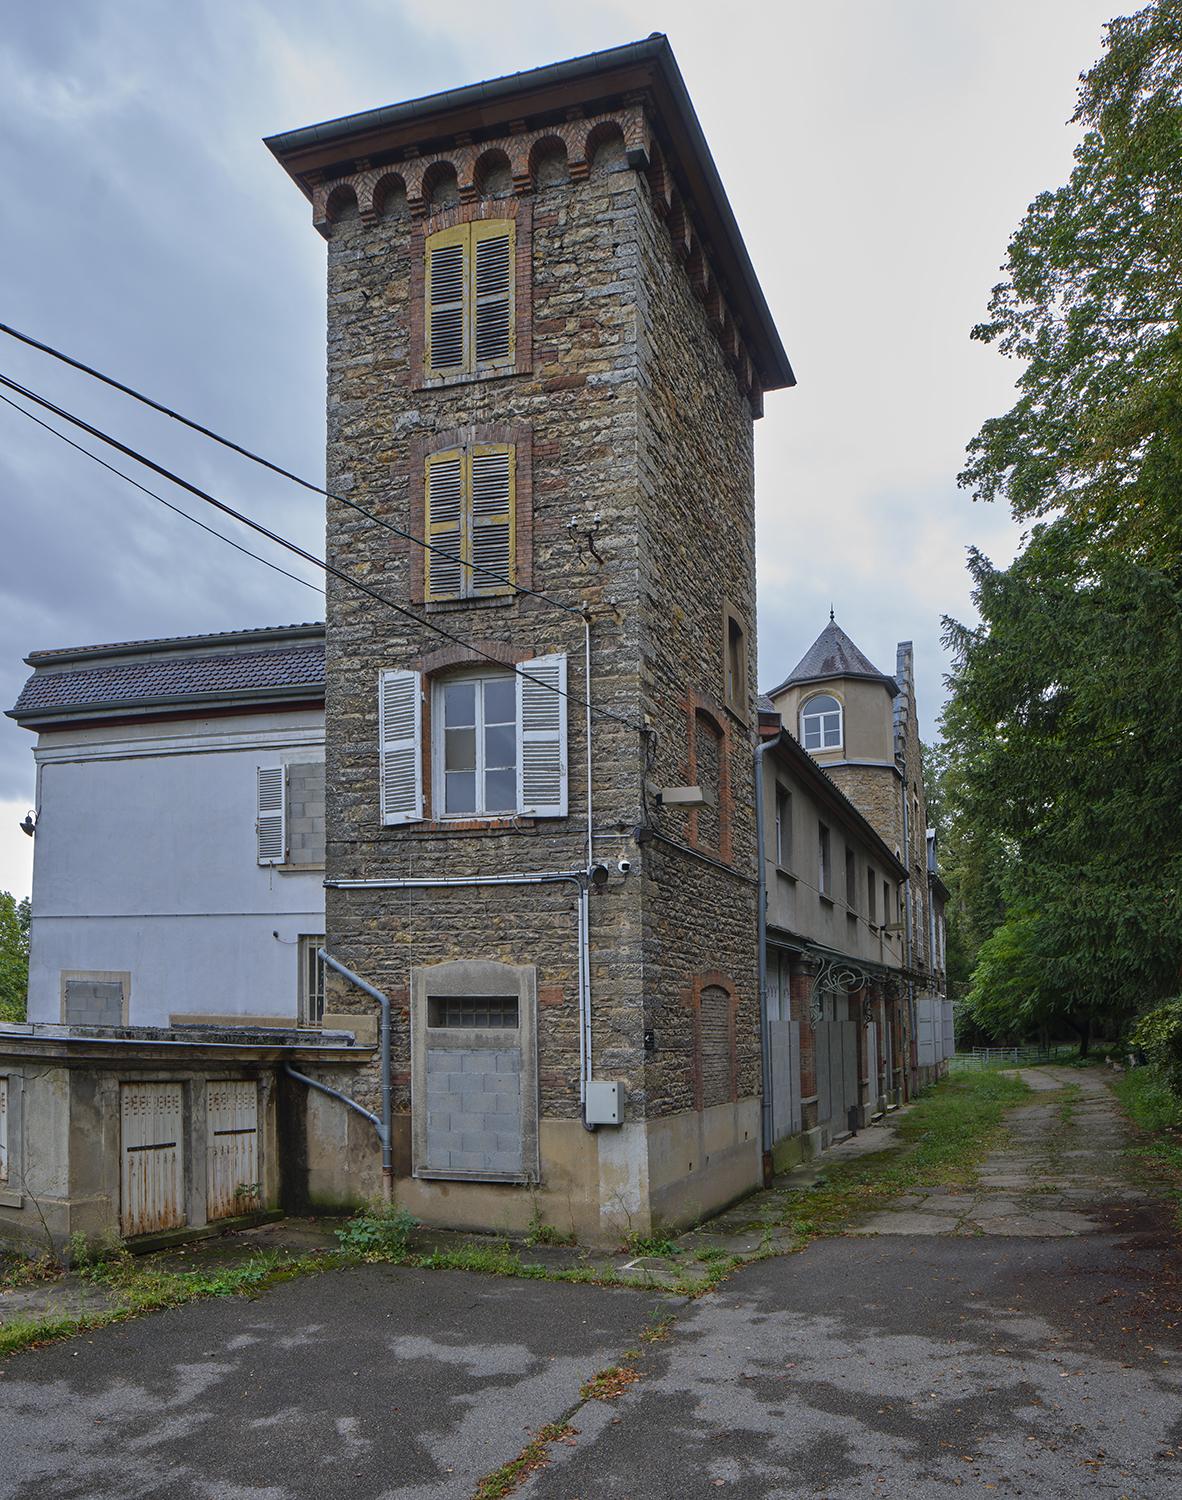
479,1012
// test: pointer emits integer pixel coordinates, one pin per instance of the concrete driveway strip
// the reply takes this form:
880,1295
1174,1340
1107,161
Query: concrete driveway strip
376,1382
899,1367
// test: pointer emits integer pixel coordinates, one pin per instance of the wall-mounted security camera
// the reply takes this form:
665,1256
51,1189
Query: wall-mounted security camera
624,865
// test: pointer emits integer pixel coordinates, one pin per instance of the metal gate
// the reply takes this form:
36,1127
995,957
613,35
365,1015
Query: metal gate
232,1147
837,1072
784,1045
873,1089
153,1157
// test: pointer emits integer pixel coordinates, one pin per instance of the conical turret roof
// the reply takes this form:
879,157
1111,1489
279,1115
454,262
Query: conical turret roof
833,654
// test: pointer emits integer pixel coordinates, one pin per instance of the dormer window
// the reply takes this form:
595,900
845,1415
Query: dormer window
820,723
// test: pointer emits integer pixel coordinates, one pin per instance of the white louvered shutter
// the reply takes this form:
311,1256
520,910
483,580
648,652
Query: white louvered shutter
400,721
445,506
270,832
541,718
494,297
492,520
447,275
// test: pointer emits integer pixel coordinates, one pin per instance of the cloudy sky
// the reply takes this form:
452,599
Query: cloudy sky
878,154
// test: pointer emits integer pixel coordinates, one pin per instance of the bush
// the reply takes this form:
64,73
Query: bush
1159,1036
379,1231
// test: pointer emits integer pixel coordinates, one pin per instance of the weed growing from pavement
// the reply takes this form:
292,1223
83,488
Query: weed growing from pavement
28,1270
535,1455
609,1383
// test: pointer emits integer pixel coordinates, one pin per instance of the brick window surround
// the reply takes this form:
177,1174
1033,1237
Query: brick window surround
519,436
520,210
697,709
710,1081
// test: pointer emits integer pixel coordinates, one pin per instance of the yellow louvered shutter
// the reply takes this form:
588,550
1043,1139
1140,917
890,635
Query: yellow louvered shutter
492,317
447,299
445,491
492,540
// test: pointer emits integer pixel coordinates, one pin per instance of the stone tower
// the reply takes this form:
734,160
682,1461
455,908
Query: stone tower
546,349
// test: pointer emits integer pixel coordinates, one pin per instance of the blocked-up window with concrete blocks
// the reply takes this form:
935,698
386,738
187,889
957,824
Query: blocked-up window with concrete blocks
95,999
305,812
474,1073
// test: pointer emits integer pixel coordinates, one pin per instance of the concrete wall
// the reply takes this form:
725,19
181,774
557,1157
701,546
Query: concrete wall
145,866
64,1173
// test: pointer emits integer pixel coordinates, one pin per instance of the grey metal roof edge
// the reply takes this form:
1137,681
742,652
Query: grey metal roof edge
653,49
825,783
107,707
490,89
268,634
888,682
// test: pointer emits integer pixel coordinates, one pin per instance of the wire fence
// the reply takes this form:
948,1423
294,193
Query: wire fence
992,1057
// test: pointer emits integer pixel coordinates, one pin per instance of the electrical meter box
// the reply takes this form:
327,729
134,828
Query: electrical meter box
604,1102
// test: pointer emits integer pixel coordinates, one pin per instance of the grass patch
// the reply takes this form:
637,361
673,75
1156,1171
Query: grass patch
1157,1112
29,1270
535,1455
943,1139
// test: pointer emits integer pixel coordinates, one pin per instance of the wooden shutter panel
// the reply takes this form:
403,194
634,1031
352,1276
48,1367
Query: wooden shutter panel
400,724
447,279
493,288
445,515
270,832
492,520
541,718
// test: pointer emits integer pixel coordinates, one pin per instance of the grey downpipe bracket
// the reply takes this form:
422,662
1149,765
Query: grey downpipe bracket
323,1088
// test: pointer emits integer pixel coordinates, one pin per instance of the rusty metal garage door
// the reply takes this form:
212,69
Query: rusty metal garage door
232,1147
153,1175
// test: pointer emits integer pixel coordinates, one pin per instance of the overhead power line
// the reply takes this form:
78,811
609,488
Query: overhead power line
176,509
273,536
307,484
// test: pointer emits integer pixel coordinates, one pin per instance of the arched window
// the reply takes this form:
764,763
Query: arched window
820,723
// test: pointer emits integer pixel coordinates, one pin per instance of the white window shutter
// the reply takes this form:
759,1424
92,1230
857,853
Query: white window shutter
541,718
400,726
270,807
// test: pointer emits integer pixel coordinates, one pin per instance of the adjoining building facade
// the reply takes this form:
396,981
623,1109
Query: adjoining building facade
832,956
178,908
546,349
861,726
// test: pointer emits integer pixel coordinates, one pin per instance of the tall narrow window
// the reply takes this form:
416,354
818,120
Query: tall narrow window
851,873
820,723
470,521
824,861
469,302
734,662
783,827
886,903
871,897
311,997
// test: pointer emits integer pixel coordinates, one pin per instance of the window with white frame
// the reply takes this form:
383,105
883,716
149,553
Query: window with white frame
498,742
824,861
820,723
783,827
476,751
311,997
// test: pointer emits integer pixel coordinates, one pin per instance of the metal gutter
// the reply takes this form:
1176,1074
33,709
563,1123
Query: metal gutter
385,1124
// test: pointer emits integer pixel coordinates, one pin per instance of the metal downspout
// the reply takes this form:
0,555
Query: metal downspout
767,1115
385,1128
323,1088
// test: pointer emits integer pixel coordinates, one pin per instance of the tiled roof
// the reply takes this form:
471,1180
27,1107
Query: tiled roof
172,677
833,654
311,628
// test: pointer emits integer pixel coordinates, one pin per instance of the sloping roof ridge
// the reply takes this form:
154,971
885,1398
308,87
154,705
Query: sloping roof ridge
310,628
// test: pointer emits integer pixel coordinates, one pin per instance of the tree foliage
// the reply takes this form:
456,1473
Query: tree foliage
14,956
1065,720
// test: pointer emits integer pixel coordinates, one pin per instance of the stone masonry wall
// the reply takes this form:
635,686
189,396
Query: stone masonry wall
642,513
